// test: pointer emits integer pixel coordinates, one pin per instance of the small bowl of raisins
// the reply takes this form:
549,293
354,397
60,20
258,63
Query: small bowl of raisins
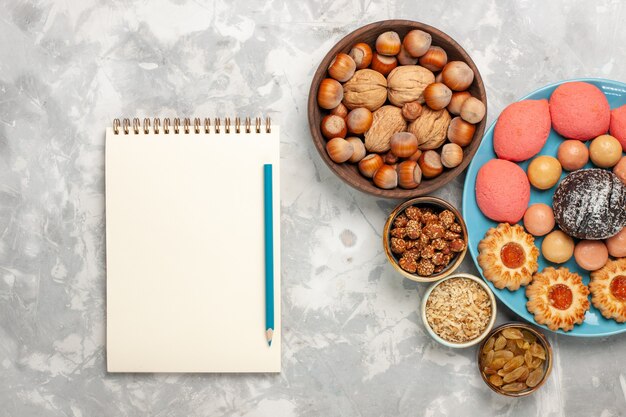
515,359
425,239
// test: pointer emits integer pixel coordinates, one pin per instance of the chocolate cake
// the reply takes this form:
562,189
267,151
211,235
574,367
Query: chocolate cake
590,204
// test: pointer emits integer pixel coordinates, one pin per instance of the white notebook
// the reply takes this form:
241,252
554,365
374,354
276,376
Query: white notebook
185,246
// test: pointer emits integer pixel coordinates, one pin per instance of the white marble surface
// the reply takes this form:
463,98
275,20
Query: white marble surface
353,342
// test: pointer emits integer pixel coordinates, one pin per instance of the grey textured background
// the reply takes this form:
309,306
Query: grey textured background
353,342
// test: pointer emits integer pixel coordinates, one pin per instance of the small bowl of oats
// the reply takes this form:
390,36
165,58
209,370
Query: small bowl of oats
459,311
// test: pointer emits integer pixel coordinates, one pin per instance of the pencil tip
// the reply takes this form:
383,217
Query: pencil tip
269,333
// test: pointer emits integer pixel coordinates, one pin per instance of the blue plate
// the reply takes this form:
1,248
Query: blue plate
477,224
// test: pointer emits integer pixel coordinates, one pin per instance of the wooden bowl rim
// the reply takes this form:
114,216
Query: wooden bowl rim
363,184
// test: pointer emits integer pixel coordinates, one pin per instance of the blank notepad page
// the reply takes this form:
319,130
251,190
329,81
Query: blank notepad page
185,252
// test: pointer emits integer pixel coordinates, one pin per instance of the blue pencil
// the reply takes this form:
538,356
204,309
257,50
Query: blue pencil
269,253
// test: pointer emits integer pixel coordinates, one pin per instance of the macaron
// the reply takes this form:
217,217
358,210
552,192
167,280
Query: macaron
591,255
579,111
617,244
539,219
502,191
521,130
617,127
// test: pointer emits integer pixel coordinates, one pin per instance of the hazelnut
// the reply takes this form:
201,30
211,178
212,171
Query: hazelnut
409,174
383,63
386,177
457,100
403,144
473,110
451,155
388,43
359,149
437,96
404,58
457,75
434,59
340,110
416,156
339,150
461,132
342,67
430,164
359,120
329,94
417,42
370,164
361,53
333,127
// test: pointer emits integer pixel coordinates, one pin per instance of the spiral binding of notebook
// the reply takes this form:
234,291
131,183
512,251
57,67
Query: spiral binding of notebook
126,126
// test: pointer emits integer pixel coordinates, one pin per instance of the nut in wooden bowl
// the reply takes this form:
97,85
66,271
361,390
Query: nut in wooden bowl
425,239
410,77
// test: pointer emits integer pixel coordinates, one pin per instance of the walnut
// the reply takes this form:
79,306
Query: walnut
367,88
386,121
431,128
406,83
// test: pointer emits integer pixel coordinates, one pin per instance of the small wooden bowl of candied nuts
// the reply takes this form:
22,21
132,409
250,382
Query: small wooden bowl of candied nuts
397,109
515,359
425,239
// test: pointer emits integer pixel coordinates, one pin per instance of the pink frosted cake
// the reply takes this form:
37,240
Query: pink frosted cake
617,127
521,130
579,111
502,191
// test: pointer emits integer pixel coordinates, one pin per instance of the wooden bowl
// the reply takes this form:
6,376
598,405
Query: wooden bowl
368,34
438,205
541,339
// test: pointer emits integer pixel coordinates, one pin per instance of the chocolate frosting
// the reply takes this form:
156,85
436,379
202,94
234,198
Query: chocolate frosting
590,204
